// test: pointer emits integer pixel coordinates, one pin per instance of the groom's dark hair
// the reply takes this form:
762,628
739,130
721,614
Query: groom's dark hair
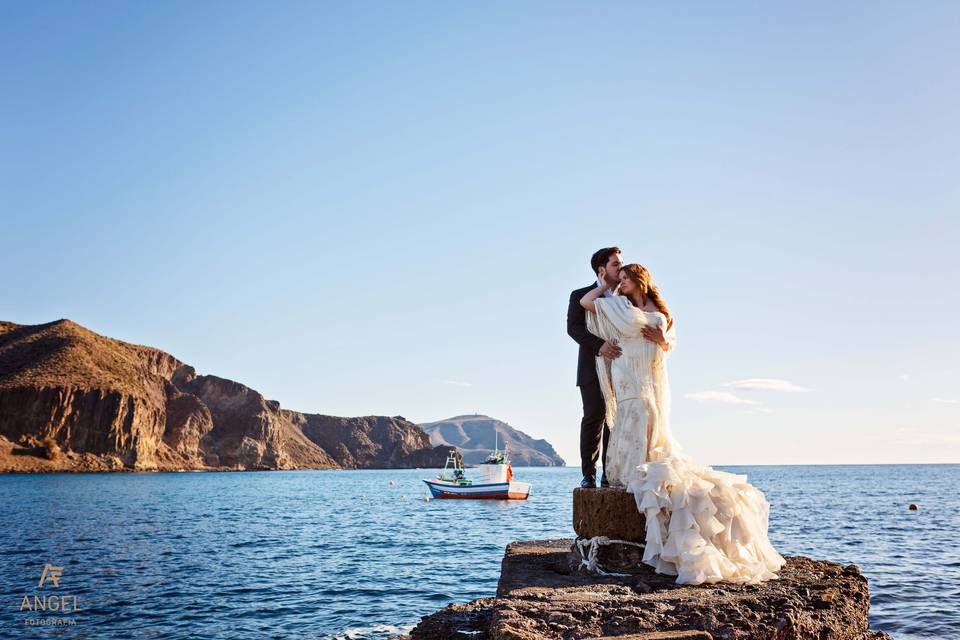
601,257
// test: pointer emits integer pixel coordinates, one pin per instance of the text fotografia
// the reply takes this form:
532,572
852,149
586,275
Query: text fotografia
49,622
49,602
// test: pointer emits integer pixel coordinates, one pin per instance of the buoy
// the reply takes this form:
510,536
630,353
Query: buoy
392,483
914,506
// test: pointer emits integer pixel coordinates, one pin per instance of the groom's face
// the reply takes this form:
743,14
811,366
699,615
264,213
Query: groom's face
611,271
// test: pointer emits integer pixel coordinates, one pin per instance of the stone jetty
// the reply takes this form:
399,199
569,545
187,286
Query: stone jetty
547,592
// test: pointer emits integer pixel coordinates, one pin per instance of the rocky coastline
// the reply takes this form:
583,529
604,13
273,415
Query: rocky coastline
476,434
73,400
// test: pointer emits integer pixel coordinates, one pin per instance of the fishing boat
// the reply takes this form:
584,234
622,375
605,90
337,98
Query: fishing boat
495,482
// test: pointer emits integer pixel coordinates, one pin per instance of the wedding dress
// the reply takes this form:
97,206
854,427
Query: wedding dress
703,525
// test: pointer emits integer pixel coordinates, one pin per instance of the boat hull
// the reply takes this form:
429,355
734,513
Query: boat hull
495,491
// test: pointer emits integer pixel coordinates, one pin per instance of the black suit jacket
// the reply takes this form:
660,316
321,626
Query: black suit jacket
589,343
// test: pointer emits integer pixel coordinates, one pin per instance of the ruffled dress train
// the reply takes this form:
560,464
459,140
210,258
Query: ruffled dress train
702,525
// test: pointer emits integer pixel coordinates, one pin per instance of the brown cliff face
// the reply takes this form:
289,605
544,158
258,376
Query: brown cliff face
104,404
371,441
475,435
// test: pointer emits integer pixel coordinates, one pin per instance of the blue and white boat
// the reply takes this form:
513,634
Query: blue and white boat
495,482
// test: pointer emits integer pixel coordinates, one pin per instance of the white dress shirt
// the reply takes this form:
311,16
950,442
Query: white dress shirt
608,293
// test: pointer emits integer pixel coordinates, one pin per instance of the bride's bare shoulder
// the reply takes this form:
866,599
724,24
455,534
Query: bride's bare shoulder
647,308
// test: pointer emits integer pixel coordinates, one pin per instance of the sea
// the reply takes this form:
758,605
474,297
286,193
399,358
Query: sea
361,555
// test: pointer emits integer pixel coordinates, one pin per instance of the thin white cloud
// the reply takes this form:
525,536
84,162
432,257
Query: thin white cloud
758,410
719,396
765,384
456,383
904,377
947,400
911,436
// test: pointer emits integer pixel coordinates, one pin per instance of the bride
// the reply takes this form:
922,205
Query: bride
703,525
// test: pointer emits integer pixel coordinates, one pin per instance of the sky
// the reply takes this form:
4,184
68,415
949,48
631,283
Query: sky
364,208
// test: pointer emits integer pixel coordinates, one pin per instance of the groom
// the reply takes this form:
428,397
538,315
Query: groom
606,264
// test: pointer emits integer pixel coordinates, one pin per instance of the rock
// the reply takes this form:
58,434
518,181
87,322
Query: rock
73,400
663,635
640,586
475,435
372,441
611,557
542,596
456,622
607,512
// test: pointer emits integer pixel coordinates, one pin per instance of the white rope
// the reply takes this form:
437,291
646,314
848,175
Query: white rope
588,560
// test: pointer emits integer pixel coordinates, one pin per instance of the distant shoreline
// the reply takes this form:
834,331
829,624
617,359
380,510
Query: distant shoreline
169,471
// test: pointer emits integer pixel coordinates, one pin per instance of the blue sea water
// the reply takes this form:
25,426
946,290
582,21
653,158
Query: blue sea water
362,555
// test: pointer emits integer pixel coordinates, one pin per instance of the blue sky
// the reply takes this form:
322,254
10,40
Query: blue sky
381,208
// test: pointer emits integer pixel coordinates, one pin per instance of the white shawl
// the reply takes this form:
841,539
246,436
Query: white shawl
614,320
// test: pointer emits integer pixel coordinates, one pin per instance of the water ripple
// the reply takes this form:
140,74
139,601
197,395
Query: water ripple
345,556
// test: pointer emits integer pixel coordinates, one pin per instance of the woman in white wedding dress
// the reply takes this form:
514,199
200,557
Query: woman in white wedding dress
703,525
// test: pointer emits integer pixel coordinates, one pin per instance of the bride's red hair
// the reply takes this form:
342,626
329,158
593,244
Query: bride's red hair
639,275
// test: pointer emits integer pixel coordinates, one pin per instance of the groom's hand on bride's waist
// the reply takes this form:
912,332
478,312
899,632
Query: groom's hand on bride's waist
610,350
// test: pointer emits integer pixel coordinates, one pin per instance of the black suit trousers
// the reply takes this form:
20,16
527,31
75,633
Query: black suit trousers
593,429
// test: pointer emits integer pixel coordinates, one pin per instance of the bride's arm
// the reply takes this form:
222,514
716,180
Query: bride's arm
587,301
670,337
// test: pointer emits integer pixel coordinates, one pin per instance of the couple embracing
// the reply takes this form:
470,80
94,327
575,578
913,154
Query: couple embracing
702,525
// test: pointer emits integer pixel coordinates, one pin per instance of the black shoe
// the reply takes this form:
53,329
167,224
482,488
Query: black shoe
604,483
588,482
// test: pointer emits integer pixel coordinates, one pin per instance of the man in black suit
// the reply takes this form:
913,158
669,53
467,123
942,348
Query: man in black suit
593,428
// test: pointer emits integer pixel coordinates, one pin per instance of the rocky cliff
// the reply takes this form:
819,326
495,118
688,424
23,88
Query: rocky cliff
73,400
475,436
